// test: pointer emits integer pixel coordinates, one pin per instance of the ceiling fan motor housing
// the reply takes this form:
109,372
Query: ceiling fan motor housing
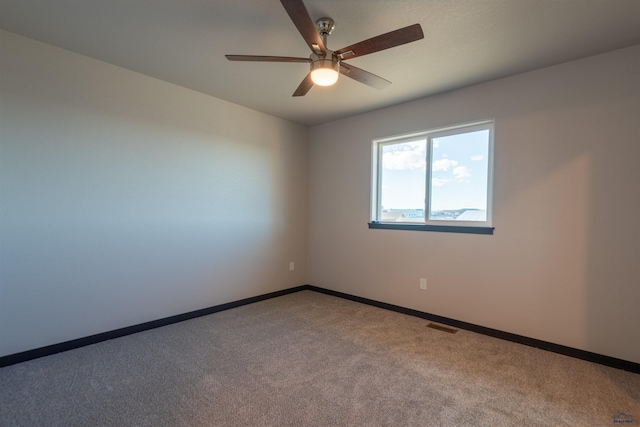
328,61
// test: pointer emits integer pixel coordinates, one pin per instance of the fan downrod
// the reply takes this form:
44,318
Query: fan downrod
325,27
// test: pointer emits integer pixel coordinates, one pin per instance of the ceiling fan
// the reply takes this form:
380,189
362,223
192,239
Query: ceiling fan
327,64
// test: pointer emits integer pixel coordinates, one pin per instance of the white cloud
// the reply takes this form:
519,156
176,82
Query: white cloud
461,172
443,164
477,157
405,156
438,182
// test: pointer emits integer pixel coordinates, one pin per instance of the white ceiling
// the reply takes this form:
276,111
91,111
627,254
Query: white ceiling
466,42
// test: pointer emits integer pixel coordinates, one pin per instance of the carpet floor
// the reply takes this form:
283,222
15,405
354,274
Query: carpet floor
310,359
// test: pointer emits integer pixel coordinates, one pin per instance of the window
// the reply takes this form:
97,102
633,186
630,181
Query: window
437,180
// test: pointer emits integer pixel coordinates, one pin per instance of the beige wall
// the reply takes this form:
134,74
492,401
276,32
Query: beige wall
125,199
564,262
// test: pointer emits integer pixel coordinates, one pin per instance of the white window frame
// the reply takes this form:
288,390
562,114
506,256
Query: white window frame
478,227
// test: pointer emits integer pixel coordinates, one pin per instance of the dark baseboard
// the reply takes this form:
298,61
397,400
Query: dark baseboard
93,339
532,342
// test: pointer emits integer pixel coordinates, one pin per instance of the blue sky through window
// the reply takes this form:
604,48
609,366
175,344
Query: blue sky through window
459,172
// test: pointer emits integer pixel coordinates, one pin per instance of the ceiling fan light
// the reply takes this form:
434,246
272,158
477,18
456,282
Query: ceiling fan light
324,72
324,76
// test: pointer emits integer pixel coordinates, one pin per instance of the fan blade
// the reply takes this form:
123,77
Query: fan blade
301,19
259,58
384,41
304,87
363,76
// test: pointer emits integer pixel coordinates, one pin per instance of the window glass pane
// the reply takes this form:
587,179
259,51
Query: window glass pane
403,181
459,177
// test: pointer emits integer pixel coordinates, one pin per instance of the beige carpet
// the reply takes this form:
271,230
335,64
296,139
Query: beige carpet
309,359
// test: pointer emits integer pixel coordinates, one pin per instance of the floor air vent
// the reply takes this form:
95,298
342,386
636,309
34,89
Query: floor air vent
442,328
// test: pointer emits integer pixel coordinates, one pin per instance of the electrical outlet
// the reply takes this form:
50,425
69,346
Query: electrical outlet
423,284
292,266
